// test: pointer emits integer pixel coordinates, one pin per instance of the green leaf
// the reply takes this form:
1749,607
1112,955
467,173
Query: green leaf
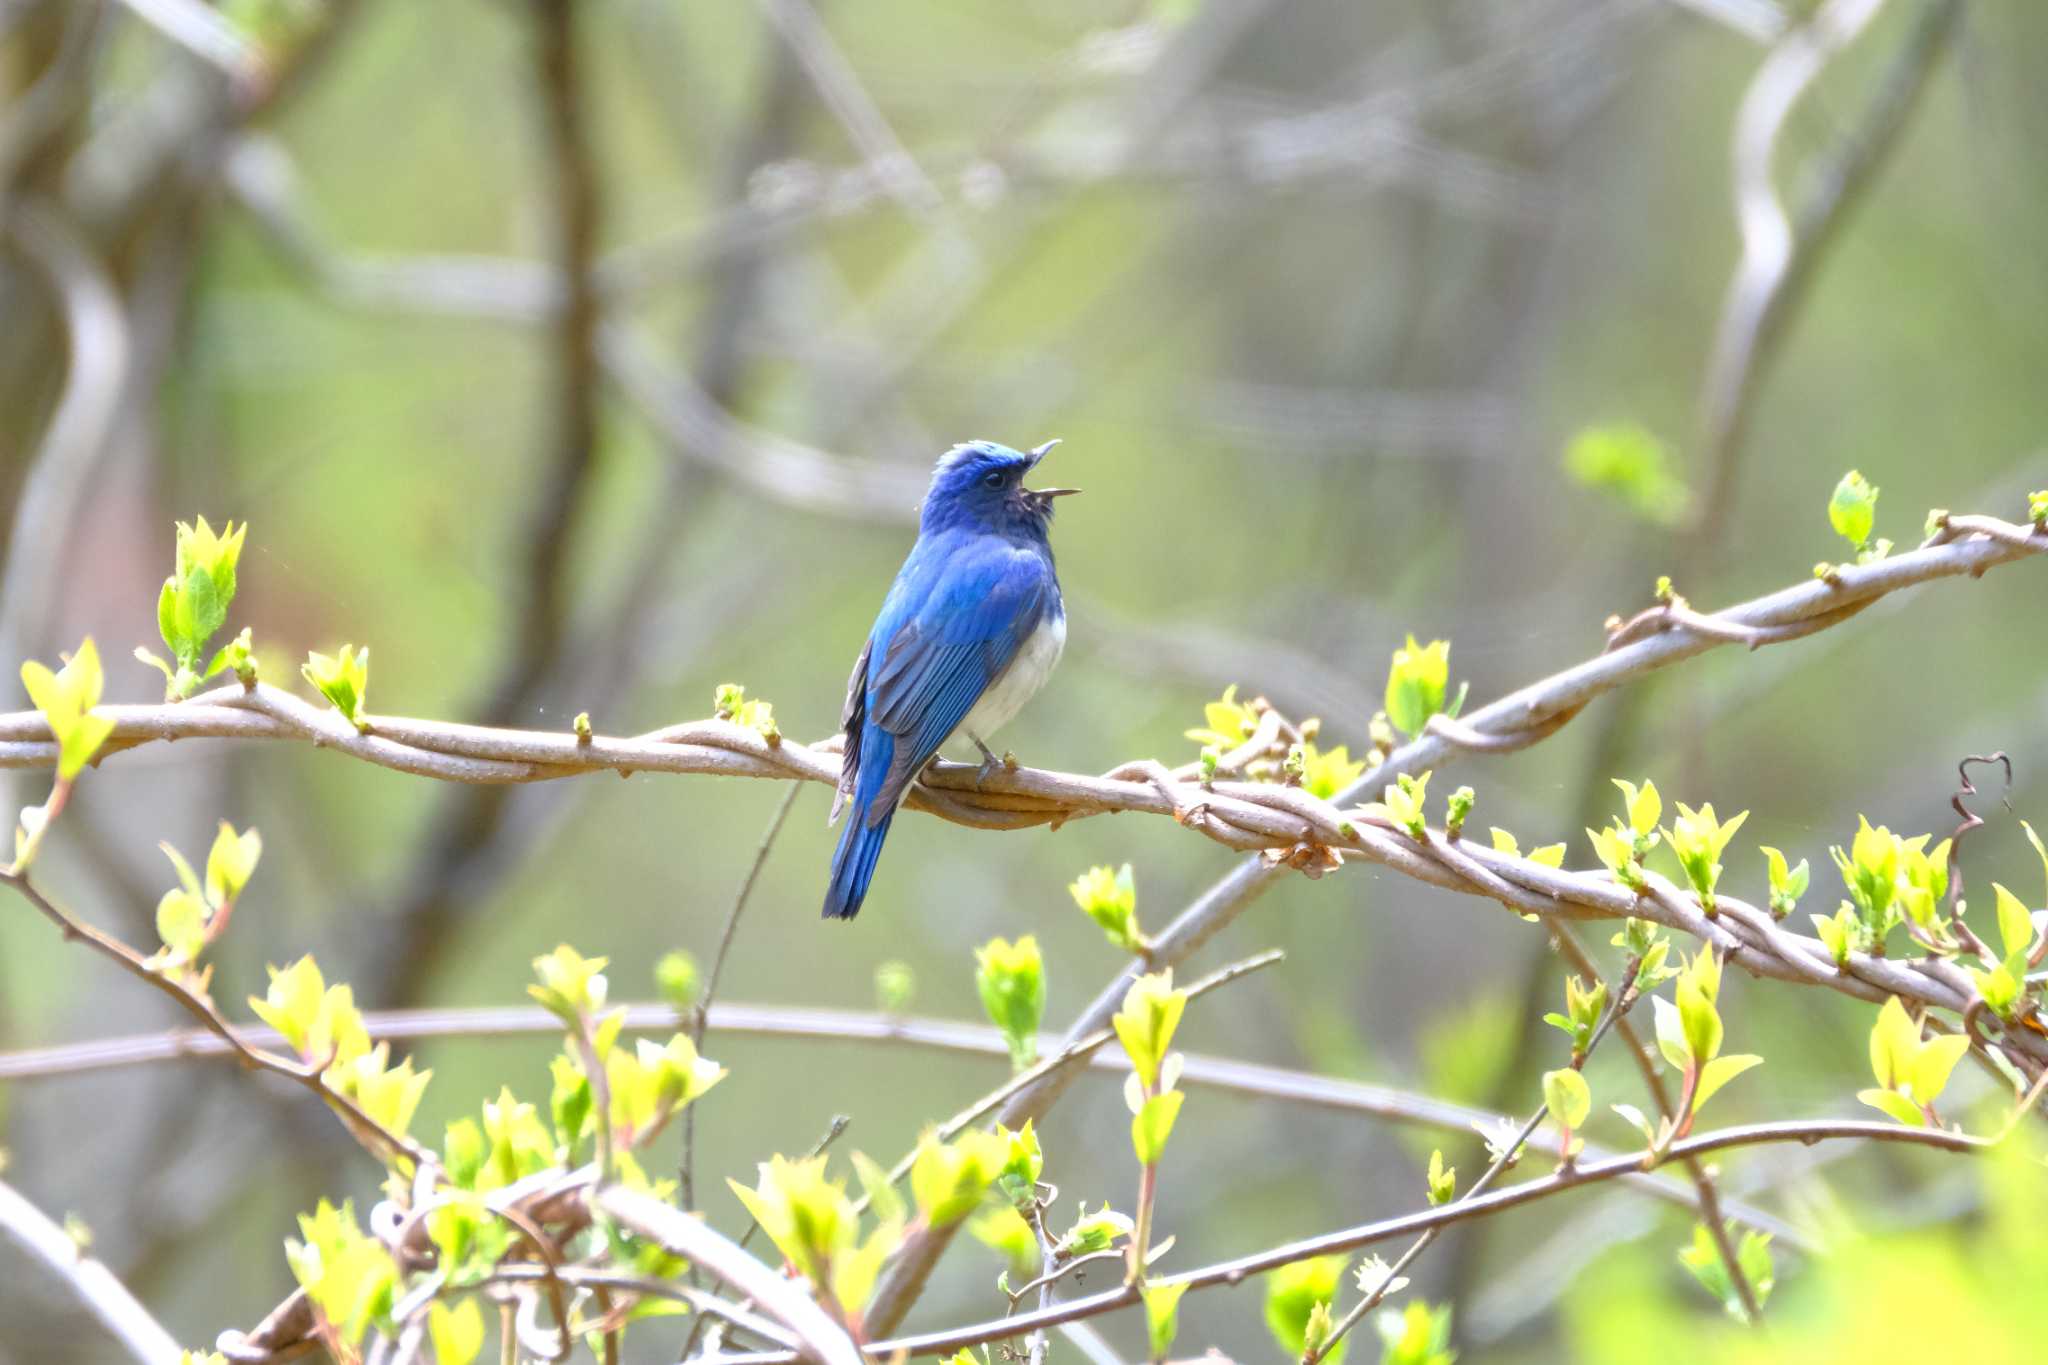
187,878
1162,1315
1111,900
1443,1181
1671,1040
1894,1104
1326,774
1699,839
1416,1335
1011,979
2015,923
1753,1256
948,1179
881,1191
676,979
1638,1120
1005,1230
895,985
1626,461
1645,808
230,863
1292,1293
1936,1062
1151,1012
1568,1097
181,924
1094,1232
1894,1044
570,1103
344,679
1416,684
67,698
1852,510
1718,1073
1153,1124
1230,723
570,986
457,1333
1700,1020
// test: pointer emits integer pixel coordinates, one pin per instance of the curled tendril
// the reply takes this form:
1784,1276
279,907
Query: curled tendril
1971,820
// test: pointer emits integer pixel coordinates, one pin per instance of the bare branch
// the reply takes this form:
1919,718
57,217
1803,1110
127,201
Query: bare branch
96,1286
828,1025
201,1007
1369,1234
824,1341
1779,256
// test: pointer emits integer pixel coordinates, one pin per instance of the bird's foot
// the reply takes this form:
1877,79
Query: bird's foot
990,762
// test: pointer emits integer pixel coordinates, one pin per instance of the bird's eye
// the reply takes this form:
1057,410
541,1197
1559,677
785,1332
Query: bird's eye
994,478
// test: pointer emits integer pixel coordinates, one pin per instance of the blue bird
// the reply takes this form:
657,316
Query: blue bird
971,628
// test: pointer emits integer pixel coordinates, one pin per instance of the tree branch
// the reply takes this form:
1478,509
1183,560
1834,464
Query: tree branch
1368,1234
828,1025
96,1286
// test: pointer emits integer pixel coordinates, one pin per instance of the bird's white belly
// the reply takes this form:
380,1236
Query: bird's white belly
1027,673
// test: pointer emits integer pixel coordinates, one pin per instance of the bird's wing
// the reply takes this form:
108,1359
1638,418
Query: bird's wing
983,603
852,721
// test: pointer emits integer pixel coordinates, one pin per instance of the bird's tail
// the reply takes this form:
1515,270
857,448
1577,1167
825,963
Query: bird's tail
853,864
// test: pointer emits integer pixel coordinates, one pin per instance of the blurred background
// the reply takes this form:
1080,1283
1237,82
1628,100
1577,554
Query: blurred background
585,356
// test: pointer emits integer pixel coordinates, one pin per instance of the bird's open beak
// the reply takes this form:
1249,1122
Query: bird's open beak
1044,496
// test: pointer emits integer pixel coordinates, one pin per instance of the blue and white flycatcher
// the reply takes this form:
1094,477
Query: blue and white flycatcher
970,630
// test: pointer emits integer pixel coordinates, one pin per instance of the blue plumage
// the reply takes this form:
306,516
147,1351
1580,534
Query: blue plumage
971,627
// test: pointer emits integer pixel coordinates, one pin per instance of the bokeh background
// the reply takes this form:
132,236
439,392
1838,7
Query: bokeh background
1319,296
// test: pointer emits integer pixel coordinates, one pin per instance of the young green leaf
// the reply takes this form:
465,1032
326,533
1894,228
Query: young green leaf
1699,839
1416,1335
1011,979
1153,1124
1416,684
1151,1012
1111,900
1787,884
1718,1073
1292,1293
1852,510
1230,722
1443,1180
67,698
457,1333
344,679
1162,1315
1627,461
1568,1097
1752,1256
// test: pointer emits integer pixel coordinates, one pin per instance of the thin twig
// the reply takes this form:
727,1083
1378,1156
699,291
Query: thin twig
1779,256
1703,1184
701,1015
1200,1071
1619,1005
824,1340
1583,1175
202,1008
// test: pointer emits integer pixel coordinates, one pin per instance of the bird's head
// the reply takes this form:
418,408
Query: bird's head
981,484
